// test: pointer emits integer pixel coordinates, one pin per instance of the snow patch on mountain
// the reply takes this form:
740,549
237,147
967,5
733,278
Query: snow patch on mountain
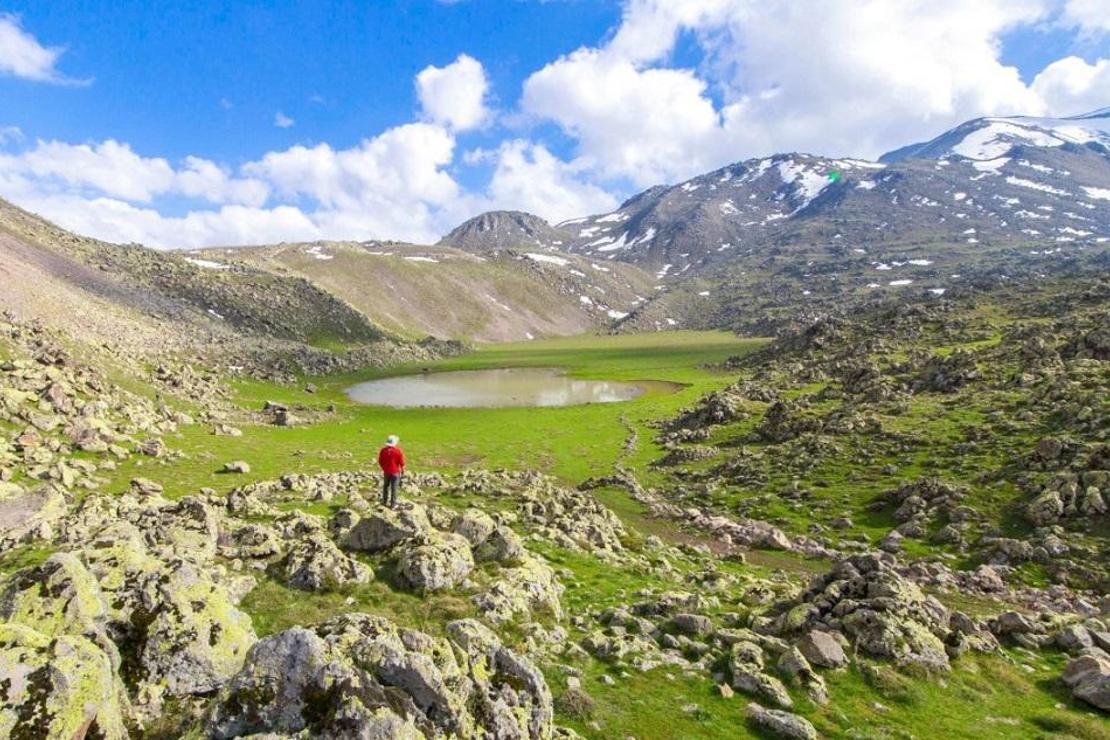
808,182
549,258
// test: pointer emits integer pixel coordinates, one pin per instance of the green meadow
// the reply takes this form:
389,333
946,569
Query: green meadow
572,442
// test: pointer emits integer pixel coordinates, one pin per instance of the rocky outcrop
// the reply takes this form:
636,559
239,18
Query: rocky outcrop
192,637
362,673
316,564
781,724
882,613
528,588
386,528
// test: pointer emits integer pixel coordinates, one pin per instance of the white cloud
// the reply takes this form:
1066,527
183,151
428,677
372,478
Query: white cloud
398,166
836,78
1071,86
111,168
650,125
392,185
283,121
21,55
202,178
118,221
1092,16
455,95
529,178
10,134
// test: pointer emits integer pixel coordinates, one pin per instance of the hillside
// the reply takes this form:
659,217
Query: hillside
417,291
147,304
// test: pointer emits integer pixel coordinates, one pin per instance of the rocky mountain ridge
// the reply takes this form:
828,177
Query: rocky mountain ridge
991,194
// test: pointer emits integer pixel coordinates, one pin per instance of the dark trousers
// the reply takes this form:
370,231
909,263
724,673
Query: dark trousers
390,485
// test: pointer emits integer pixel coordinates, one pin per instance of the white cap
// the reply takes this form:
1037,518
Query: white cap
392,440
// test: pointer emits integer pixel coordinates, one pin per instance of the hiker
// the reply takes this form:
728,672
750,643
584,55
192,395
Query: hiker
392,462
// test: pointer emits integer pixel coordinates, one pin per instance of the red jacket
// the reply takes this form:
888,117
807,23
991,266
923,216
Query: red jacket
391,460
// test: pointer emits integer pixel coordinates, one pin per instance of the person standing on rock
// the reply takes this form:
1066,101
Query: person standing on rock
392,462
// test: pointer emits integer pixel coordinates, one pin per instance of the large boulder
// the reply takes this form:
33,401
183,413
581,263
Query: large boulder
1088,677
361,676
387,527
191,635
511,699
503,545
58,597
57,687
250,541
746,666
822,649
189,528
473,524
1045,509
438,562
316,564
884,614
528,588
28,515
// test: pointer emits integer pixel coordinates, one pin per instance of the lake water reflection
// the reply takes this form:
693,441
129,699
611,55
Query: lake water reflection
491,388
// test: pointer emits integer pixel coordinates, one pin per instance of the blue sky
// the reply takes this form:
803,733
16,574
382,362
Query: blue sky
161,77
562,107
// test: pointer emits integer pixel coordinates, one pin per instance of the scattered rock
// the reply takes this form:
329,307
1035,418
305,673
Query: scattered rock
781,724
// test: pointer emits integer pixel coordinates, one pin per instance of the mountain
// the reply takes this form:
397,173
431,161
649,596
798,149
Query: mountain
1044,196
497,230
985,139
416,291
1040,186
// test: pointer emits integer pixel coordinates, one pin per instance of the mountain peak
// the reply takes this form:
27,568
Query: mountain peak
498,230
992,137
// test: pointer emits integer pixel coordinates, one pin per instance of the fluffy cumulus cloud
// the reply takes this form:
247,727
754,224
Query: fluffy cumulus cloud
529,178
1072,86
111,168
21,54
779,75
1093,16
455,95
391,185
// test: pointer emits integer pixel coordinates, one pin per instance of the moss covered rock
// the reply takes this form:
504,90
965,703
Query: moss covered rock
360,675
57,687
